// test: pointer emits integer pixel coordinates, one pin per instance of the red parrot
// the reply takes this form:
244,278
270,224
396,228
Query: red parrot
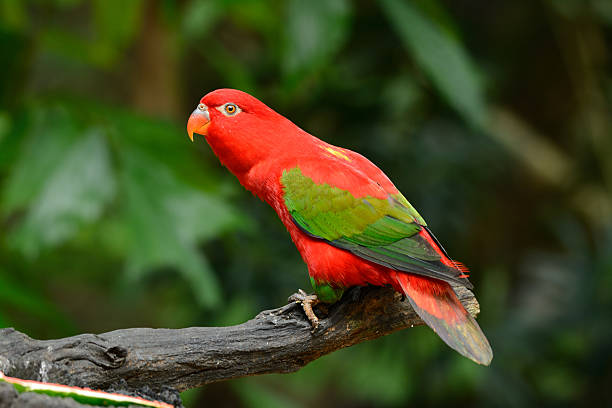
349,222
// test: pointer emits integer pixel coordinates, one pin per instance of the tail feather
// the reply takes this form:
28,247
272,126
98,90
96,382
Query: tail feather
465,272
437,304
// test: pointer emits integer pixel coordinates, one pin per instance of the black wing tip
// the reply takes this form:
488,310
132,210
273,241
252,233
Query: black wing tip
466,283
434,273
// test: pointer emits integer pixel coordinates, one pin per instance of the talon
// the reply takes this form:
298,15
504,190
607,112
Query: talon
307,305
307,302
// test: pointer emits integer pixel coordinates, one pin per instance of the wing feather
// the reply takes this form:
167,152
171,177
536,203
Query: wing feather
373,224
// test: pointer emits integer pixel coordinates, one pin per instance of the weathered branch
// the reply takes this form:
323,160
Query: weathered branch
275,341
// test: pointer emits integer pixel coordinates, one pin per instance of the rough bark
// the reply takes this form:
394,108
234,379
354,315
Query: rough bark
275,341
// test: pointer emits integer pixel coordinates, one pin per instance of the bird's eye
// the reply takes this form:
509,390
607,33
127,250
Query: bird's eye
202,107
230,108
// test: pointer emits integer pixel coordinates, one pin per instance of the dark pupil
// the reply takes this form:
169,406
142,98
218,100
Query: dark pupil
230,108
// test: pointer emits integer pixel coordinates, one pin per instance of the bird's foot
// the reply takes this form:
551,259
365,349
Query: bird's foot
307,301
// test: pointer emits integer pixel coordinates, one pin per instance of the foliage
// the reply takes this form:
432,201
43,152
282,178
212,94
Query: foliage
493,118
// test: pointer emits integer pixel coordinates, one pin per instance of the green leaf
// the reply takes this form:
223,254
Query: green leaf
442,57
166,220
74,194
52,133
316,30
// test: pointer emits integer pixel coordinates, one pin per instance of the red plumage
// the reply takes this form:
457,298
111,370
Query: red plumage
257,145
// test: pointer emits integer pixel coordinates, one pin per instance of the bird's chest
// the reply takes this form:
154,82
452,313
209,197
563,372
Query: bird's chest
333,266
326,263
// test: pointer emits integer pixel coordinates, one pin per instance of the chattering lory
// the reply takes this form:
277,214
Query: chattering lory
351,225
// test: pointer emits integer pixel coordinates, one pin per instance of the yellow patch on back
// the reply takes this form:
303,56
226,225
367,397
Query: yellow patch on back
335,152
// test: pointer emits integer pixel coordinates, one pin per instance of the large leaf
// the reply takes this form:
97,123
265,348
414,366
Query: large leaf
316,30
51,134
167,219
74,194
442,57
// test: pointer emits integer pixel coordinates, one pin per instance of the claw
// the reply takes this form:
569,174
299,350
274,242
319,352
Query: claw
307,302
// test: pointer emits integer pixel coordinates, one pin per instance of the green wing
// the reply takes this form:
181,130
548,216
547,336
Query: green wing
384,231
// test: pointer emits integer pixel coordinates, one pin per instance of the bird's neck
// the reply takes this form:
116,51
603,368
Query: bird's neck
255,154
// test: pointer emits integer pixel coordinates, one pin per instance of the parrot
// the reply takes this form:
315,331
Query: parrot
349,222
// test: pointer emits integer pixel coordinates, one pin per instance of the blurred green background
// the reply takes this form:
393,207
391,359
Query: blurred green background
493,118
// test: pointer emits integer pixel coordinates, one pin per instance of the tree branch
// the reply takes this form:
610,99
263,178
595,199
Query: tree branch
275,341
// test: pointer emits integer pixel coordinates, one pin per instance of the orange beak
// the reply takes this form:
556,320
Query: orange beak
198,121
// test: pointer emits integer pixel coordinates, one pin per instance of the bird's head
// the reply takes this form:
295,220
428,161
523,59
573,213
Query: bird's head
228,110
240,129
